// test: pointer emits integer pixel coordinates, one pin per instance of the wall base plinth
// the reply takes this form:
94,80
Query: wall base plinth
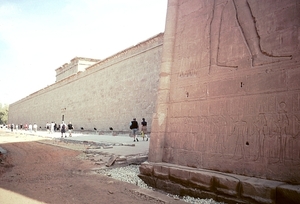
222,187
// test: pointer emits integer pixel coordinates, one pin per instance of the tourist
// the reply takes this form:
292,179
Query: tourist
63,129
144,129
70,129
52,127
134,126
48,127
30,128
34,127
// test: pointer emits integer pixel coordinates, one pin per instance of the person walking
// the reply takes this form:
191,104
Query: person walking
144,129
30,128
63,129
134,126
48,127
35,127
52,127
70,129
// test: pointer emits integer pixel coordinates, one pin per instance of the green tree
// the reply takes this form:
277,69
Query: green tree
3,113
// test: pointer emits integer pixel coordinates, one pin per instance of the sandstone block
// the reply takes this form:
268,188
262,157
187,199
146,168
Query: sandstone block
226,184
288,194
259,190
201,179
179,175
161,172
146,169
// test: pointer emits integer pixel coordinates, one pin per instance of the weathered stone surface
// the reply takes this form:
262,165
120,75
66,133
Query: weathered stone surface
226,185
259,190
111,160
121,158
288,194
146,169
161,172
107,147
178,175
231,103
136,159
229,188
202,180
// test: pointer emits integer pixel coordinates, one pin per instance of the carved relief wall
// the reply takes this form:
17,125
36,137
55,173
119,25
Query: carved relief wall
229,96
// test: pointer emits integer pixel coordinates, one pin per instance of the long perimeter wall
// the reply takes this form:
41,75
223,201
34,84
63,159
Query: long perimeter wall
107,94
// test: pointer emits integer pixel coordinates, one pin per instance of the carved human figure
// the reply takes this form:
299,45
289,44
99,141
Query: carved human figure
220,127
261,126
247,24
296,142
283,123
240,130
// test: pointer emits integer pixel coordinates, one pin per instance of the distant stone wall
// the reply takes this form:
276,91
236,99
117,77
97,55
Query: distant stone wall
107,94
229,94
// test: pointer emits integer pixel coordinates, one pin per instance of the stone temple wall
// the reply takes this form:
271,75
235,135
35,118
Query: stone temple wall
228,99
107,94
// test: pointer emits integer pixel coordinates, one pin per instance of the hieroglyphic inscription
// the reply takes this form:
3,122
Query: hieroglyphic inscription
273,137
188,73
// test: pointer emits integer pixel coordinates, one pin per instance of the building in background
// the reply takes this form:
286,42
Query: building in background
98,93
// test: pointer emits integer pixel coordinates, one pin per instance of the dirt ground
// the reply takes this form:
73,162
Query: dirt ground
47,172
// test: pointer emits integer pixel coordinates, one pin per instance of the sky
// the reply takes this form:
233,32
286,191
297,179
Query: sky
39,36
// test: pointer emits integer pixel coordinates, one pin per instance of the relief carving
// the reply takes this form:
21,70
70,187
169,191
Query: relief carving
262,137
262,128
240,131
188,73
247,24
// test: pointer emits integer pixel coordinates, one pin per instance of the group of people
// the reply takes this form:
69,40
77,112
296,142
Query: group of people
26,127
65,127
134,126
50,127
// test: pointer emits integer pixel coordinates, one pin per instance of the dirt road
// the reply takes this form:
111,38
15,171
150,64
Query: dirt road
35,172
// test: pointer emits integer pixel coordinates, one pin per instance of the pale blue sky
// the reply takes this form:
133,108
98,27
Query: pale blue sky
38,36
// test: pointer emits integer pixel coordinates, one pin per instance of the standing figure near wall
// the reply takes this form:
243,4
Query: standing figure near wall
70,129
144,129
35,127
134,126
63,129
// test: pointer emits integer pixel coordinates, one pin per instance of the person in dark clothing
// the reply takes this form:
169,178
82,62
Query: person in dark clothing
144,129
70,128
134,126
63,129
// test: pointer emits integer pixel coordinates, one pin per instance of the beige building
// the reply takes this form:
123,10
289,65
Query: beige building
98,94
77,64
